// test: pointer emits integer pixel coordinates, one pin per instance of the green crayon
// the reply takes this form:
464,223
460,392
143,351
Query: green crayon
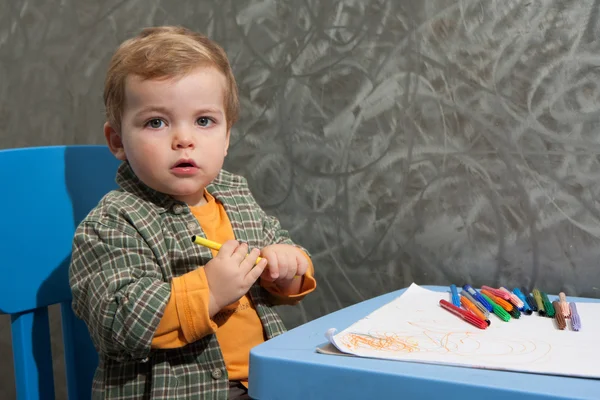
547,305
515,313
498,310
538,301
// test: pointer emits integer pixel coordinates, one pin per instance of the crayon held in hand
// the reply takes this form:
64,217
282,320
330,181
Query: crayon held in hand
212,245
217,246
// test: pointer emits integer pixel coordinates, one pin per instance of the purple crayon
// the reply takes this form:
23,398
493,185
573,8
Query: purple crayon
575,320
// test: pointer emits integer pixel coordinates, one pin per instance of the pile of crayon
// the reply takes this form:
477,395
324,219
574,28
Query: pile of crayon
475,306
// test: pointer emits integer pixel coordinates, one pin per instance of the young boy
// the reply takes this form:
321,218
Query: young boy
169,318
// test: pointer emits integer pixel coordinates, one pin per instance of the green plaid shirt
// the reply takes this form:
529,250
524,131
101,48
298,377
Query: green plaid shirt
125,253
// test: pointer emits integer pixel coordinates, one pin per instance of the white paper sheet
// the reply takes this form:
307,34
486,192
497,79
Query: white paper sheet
413,327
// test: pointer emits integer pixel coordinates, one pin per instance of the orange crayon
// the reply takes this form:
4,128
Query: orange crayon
466,303
564,306
501,302
560,318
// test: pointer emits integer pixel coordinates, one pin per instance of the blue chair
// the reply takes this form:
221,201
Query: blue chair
45,193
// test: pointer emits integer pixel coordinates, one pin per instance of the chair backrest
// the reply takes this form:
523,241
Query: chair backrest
44,193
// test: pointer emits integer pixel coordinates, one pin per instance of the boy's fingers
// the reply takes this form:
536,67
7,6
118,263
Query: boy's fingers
253,275
249,261
302,264
293,270
266,275
273,266
284,265
240,252
292,267
228,248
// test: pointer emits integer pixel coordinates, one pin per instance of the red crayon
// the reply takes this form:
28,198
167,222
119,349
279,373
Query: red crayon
466,315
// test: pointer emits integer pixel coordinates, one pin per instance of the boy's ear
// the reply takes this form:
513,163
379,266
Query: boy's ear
227,141
115,144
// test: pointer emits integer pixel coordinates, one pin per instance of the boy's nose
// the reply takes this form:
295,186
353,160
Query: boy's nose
182,140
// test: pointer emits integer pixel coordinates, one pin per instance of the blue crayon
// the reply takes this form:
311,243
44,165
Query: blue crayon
478,297
476,303
531,303
455,298
526,309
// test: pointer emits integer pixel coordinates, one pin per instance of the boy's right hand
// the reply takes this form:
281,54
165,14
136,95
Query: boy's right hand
231,274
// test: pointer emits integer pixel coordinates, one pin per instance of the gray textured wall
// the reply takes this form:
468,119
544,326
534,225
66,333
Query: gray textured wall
433,141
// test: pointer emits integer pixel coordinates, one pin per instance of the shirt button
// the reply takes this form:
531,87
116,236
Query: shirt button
177,208
216,373
191,226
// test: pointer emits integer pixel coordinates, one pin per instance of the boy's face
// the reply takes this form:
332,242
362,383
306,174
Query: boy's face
174,132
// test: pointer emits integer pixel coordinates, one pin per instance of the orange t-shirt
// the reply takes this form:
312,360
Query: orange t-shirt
238,327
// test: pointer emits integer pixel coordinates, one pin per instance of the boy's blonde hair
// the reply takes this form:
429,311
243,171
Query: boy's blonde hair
165,52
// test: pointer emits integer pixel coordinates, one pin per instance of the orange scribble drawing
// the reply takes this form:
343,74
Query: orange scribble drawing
430,337
384,342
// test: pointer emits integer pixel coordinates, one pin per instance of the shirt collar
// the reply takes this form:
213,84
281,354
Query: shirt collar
129,182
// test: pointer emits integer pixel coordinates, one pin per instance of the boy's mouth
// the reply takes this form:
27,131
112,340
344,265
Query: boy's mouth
185,164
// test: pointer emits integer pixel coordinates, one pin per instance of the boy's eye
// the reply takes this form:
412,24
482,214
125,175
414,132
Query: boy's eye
155,123
204,121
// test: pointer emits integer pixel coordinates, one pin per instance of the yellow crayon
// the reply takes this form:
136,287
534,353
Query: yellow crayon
212,245
216,246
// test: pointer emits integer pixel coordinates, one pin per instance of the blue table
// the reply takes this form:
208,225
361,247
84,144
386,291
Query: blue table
288,368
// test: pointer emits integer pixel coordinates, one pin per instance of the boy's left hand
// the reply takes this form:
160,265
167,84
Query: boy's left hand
284,262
